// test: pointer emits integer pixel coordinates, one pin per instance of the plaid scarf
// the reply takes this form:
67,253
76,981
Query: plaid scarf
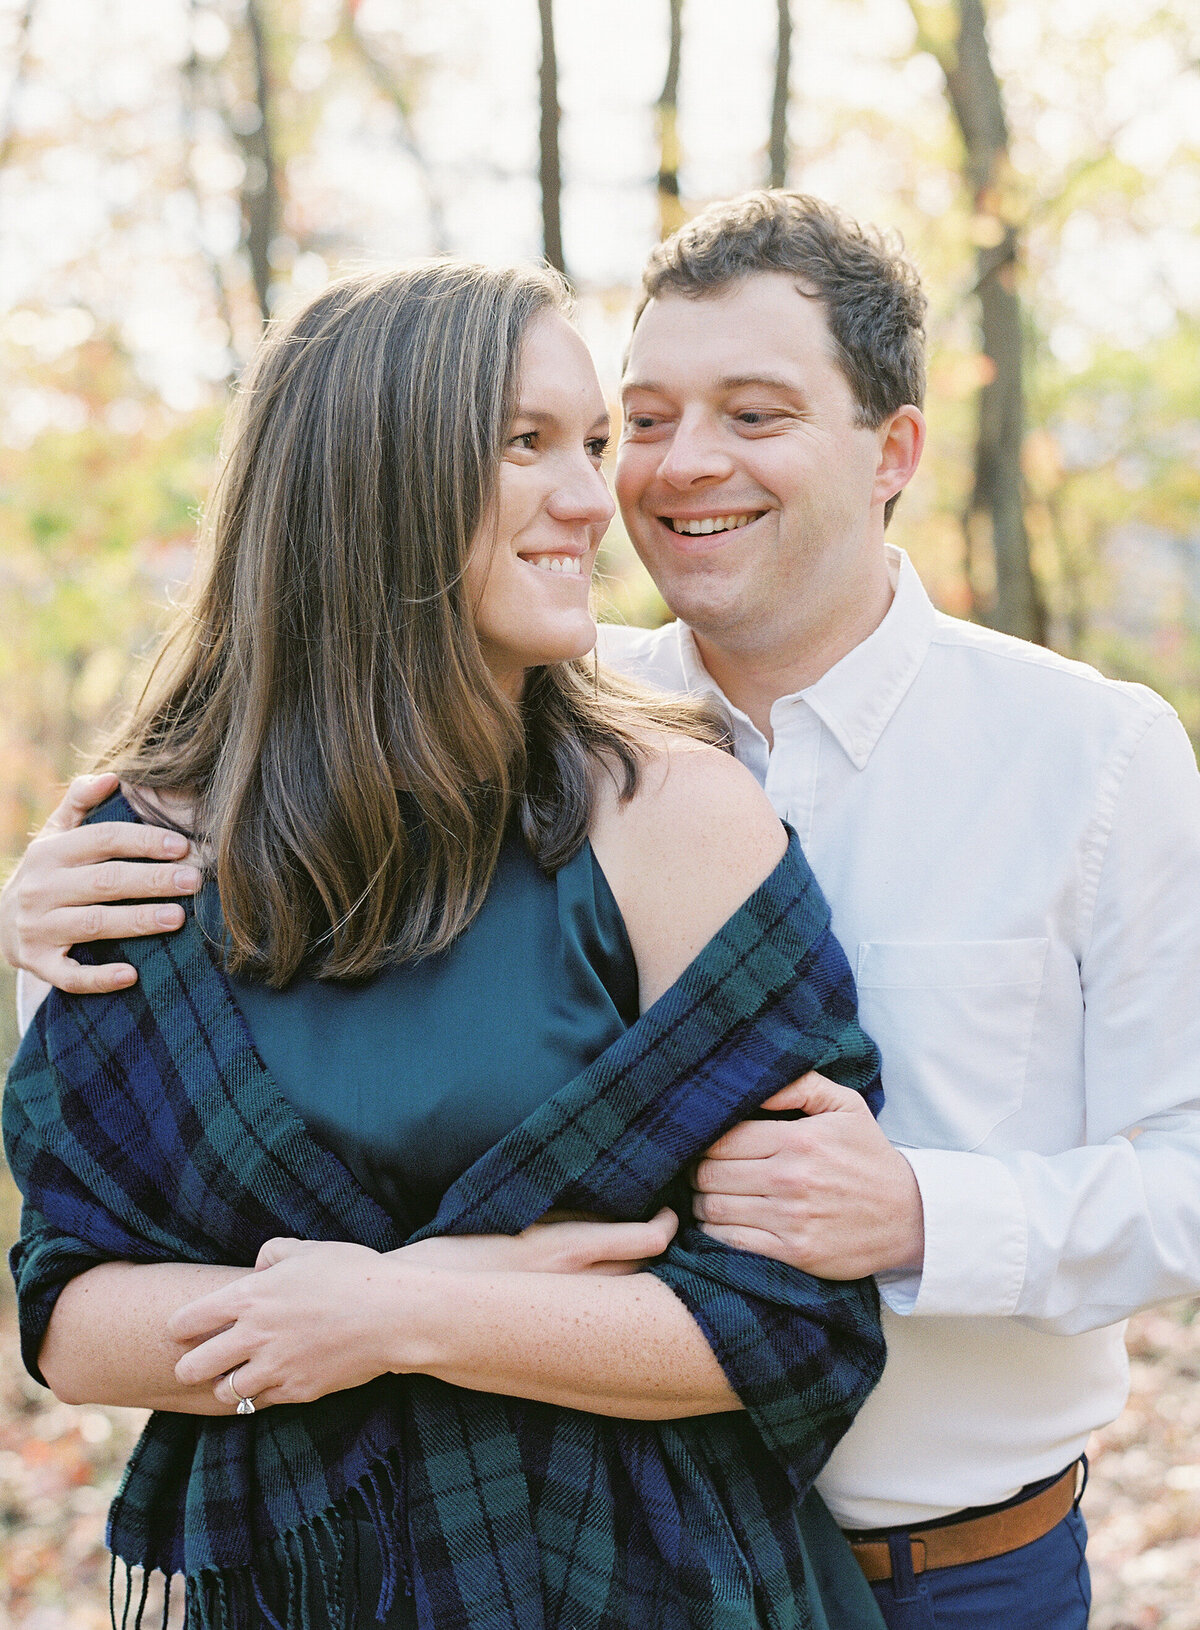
142,1126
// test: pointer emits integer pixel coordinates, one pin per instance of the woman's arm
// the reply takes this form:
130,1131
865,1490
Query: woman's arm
320,1318
107,1340
110,1339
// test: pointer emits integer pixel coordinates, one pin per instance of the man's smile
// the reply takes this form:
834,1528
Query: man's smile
703,534
701,526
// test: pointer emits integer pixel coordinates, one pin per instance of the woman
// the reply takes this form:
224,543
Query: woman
455,906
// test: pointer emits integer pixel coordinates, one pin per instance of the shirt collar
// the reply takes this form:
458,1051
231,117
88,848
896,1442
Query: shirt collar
856,699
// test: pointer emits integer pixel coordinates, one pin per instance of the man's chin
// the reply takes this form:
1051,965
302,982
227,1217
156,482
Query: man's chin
704,602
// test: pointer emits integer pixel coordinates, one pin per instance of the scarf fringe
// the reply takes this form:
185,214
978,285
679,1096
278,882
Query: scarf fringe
315,1584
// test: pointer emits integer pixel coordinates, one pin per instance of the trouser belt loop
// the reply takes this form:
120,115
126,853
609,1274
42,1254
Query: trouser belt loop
904,1573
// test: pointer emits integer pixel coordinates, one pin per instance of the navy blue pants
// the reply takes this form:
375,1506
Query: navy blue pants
1043,1586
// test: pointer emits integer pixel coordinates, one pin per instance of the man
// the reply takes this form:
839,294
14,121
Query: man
1011,848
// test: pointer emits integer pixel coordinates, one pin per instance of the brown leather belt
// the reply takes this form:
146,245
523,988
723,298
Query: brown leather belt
975,1539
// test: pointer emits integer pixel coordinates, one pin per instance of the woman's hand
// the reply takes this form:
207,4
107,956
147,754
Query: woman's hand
61,891
557,1244
314,1318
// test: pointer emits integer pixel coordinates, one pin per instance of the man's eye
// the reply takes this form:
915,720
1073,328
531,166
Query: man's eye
641,421
752,416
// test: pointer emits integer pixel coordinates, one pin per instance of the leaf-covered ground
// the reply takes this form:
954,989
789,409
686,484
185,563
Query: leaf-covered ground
58,1466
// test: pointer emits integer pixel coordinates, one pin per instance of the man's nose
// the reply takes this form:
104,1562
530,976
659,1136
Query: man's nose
696,454
582,496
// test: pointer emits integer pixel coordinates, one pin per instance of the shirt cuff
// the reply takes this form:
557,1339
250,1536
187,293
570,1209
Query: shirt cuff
976,1238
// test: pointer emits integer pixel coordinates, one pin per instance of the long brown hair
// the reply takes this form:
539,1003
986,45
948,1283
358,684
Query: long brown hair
323,701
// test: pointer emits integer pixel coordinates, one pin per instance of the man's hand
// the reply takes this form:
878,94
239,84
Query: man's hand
827,1194
57,896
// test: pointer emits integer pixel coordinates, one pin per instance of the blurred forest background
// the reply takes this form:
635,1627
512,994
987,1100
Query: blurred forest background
174,171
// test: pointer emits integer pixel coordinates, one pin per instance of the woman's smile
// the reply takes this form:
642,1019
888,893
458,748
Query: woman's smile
559,562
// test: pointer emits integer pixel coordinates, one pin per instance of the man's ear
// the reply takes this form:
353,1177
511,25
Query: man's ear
901,440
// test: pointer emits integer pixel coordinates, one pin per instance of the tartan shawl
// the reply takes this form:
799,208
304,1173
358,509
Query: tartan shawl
142,1126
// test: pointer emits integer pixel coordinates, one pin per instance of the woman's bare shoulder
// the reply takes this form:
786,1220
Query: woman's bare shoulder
695,840
697,788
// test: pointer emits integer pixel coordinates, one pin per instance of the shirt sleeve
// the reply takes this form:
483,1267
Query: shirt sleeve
1076,1240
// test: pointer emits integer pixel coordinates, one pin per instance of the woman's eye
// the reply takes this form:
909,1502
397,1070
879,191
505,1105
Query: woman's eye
597,447
526,441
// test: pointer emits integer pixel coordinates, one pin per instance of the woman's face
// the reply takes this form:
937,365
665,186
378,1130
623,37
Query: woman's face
531,562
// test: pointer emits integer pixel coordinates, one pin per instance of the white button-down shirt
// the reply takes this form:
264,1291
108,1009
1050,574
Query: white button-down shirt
1010,844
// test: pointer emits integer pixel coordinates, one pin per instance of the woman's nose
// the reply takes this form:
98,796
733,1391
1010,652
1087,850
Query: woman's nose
583,497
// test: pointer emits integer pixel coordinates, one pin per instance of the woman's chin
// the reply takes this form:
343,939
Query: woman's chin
563,644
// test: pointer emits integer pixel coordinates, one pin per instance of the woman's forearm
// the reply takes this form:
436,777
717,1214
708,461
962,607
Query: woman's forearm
625,1346
107,1343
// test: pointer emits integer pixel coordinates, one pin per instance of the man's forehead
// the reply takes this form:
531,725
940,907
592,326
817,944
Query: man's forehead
765,328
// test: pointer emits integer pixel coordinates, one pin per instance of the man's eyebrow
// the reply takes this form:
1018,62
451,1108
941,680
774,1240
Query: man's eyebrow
776,382
727,382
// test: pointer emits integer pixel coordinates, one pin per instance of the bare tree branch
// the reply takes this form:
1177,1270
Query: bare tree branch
777,146
671,214
549,167
260,189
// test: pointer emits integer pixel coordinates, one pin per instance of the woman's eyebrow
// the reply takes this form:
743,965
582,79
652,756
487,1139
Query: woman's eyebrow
544,416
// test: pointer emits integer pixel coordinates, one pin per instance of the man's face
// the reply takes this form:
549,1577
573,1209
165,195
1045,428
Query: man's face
746,482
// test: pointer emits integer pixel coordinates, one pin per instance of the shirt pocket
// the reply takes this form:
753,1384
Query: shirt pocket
954,1023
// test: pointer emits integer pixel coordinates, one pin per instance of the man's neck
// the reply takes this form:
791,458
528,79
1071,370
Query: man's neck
753,677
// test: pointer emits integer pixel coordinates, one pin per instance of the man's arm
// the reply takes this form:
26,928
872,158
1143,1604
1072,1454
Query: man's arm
1078,1239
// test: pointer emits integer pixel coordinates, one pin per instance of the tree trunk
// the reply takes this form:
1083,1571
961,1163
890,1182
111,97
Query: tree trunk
994,521
671,214
777,147
260,189
549,168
